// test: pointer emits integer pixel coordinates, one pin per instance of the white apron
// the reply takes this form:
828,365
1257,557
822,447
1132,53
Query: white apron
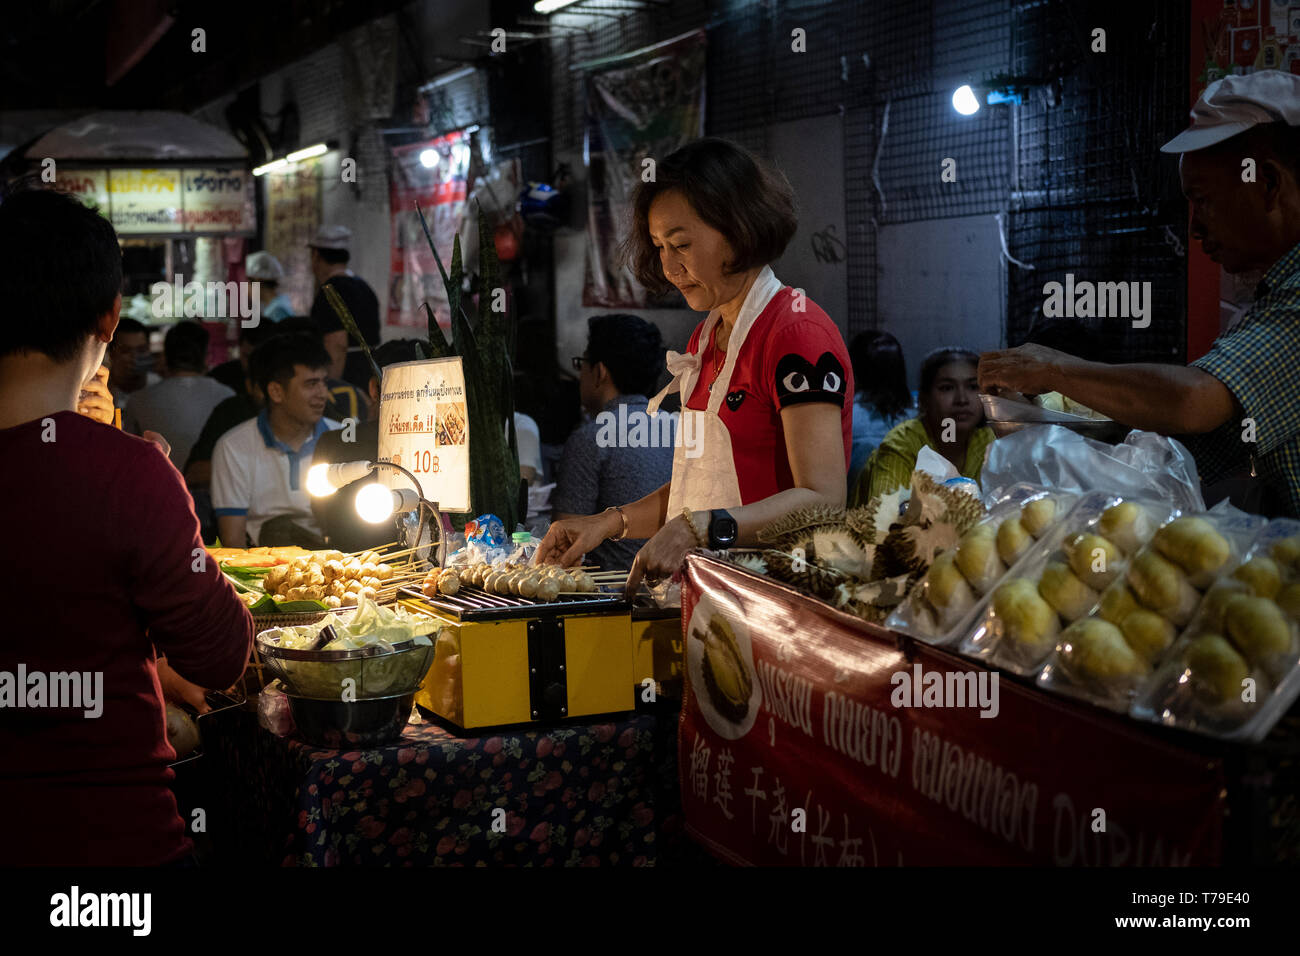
708,480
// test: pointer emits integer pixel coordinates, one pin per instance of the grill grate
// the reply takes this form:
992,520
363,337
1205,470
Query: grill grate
475,604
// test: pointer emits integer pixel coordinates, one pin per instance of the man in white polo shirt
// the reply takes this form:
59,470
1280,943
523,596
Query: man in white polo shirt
259,468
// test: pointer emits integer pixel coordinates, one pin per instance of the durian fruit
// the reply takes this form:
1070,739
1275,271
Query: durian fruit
802,573
1147,633
1062,589
1258,627
1162,587
1127,524
977,557
1024,617
870,523
1098,650
750,561
835,546
932,503
1194,545
1287,551
1288,599
726,675
947,590
1217,599
1037,515
1094,559
910,549
798,523
1262,574
872,600
1117,602
1216,667
1013,540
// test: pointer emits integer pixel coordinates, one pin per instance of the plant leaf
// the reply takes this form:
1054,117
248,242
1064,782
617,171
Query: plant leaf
341,310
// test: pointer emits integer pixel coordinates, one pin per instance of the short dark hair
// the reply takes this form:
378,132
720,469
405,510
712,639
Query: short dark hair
61,261
276,358
255,335
630,348
397,350
937,359
750,203
880,372
129,327
335,257
185,347
298,325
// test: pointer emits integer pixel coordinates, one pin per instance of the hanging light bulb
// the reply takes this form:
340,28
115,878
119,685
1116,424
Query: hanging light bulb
965,102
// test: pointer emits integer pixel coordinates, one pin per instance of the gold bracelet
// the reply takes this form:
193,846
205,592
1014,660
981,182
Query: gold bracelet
622,534
690,523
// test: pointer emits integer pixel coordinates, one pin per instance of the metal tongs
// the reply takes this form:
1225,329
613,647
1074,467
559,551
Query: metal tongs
327,634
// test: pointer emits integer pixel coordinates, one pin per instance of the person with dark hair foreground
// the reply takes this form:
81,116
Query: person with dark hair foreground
179,405
1246,384
259,468
621,366
883,399
86,783
950,421
766,421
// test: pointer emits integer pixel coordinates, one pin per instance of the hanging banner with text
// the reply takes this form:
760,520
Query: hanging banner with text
424,427
169,202
810,739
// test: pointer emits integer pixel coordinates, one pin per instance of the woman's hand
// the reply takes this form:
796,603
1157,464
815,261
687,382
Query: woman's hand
96,401
568,539
178,690
663,554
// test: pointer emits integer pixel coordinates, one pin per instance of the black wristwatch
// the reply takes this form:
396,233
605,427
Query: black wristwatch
723,530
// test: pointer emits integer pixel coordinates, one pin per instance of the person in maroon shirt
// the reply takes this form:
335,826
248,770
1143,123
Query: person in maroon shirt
102,561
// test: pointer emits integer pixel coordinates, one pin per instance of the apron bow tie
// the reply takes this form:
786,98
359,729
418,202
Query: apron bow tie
679,367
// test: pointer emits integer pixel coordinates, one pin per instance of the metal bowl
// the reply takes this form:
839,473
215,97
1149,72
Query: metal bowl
1006,415
341,724
376,671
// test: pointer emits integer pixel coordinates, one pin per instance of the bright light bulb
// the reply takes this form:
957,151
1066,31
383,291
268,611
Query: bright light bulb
965,102
318,482
375,503
428,158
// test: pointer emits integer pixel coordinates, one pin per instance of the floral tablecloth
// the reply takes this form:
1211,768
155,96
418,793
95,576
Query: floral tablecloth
572,795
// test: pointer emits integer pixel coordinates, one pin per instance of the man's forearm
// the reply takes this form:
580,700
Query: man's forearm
1167,399
232,529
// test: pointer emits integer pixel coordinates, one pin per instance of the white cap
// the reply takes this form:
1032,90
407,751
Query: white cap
264,266
1234,104
332,237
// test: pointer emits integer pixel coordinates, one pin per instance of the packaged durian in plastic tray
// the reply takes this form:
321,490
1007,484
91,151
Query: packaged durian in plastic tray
1062,580
1235,670
1107,656
942,605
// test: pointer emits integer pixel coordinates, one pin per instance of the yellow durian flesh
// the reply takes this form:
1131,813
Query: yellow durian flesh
1094,559
1162,587
1127,524
1224,591
1037,515
1062,589
1013,540
1193,545
1258,627
946,588
1287,551
1116,603
1024,616
1217,669
977,557
1098,649
1147,633
1288,599
1262,574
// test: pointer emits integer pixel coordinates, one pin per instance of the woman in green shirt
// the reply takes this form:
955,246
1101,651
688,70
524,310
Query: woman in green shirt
951,422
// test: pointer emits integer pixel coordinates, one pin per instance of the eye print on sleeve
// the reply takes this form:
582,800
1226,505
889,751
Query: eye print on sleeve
798,380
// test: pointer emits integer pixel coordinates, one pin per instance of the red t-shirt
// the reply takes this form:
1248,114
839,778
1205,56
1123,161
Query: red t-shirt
100,535
787,359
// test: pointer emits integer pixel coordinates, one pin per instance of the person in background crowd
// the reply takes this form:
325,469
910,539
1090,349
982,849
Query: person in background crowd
259,468
178,406
620,367
130,362
883,399
234,373
1245,225
330,252
950,422
346,401
336,514
265,268
528,439
88,785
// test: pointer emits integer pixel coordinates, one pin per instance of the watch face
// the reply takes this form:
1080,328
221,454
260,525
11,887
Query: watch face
724,530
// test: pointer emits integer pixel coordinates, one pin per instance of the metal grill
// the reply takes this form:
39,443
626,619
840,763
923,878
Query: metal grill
475,604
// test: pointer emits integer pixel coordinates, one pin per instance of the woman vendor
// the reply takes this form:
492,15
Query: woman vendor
766,383
951,422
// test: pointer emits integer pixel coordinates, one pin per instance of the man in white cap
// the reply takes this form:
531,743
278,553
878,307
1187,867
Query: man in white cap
265,268
330,252
1237,407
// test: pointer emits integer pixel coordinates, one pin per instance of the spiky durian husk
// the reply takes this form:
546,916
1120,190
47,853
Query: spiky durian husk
749,560
870,522
799,521
932,503
832,546
883,594
911,549
810,577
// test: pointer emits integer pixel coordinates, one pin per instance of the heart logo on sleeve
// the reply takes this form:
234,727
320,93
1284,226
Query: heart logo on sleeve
798,380
735,398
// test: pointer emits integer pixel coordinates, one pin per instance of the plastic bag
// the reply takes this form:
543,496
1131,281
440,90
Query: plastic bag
1144,465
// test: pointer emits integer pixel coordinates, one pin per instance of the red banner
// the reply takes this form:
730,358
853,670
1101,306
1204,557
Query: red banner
809,738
